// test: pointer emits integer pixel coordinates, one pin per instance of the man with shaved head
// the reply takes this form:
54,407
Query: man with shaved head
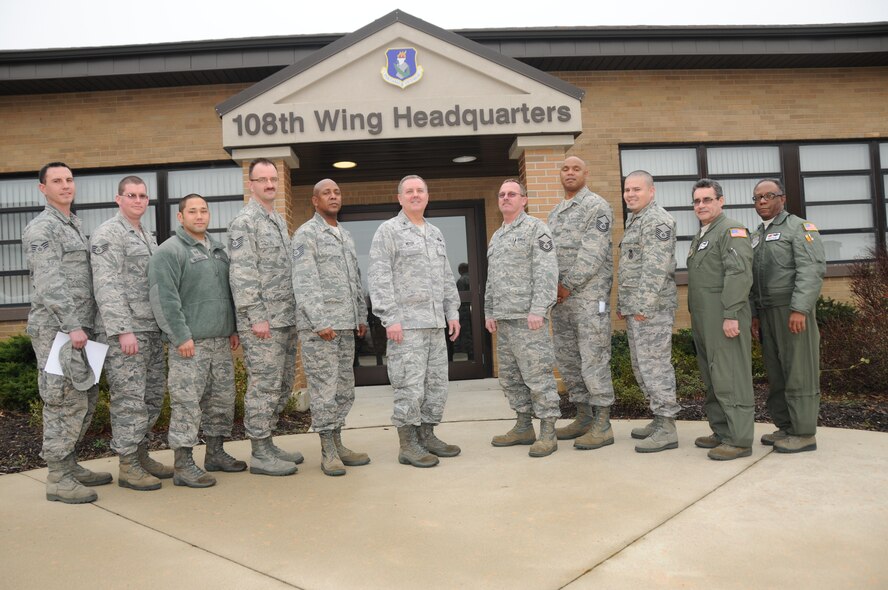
581,228
330,310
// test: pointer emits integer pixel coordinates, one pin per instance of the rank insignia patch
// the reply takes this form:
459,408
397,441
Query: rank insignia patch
545,243
99,248
810,226
39,246
739,232
602,223
663,232
236,243
298,251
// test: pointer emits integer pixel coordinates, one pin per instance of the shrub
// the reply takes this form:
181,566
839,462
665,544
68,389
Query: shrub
18,374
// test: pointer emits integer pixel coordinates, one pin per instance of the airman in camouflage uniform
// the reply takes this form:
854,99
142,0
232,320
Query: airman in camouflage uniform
522,283
787,274
646,299
191,299
121,249
57,254
719,278
414,294
262,285
330,309
581,227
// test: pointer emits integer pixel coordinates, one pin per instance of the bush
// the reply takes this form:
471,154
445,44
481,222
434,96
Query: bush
18,374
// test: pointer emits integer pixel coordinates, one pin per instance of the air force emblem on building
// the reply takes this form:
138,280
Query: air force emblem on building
401,68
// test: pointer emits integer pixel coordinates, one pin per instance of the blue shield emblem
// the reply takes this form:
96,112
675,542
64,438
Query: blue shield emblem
401,68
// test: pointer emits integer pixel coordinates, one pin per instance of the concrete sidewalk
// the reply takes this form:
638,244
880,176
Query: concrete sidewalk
490,518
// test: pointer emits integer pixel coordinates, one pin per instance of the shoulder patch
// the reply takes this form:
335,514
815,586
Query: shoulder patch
809,226
663,232
545,243
298,251
236,243
99,248
739,232
602,223
39,246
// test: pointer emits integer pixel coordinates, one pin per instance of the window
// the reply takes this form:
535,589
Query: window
21,201
831,184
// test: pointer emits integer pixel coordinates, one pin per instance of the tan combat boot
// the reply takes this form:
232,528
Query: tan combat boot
216,459
62,487
295,457
133,476
726,452
770,439
548,442
662,437
348,457
86,477
435,445
411,452
795,444
645,431
708,442
600,434
520,434
263,461
331,464
187,473
155,468
579,426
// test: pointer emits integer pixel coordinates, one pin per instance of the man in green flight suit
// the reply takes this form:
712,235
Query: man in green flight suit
787,271
719,279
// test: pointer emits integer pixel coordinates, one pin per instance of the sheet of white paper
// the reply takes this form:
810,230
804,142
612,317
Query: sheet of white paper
95,354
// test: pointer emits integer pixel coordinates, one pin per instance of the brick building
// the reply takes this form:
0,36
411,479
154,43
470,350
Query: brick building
808,104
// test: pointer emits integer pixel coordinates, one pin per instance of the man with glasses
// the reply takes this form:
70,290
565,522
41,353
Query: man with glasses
719,278
787,271
646,299
522,286
57,253
261,283
121,249
581,228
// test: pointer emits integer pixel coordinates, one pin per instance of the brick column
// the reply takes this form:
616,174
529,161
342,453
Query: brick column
539,161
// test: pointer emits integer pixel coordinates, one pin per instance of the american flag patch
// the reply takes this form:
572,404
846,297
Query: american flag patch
739,232
810,226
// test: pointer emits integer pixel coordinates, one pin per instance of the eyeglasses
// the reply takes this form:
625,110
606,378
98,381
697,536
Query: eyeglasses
264,179
766,197
135,196
511,195
703,201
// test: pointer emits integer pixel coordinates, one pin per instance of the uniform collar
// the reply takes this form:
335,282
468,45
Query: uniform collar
190,241
71,220
581,196
322,223
405,222
634,216
518,221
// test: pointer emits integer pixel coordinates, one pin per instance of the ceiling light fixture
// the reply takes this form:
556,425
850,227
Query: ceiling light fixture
464,159
343,165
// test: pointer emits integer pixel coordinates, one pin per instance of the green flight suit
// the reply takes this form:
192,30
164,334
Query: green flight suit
719,279
788,268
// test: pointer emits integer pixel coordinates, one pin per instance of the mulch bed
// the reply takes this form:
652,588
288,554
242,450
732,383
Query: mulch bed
20,442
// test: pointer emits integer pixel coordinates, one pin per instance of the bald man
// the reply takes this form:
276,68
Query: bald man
581,228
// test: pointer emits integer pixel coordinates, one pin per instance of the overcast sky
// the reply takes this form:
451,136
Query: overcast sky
90,23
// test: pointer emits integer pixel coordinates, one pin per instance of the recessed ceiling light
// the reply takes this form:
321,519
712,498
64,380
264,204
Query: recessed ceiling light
344,165
464,159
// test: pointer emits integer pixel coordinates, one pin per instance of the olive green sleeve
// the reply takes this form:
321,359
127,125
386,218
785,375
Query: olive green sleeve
736,255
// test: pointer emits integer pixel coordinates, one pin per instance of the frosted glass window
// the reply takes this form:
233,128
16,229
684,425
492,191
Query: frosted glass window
744,160
822,158
12,256
686,223
745,215
12,224
102,188
837,188
681,254
215,182
883,155
14,289
848,246
738,191
827,217
674,193
661,162
21,193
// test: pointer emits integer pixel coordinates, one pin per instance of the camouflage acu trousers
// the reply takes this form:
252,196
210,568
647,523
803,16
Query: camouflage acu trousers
583,350
67,412
526,360
330,377
137,385
417,370
201,392
650,345
271,371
